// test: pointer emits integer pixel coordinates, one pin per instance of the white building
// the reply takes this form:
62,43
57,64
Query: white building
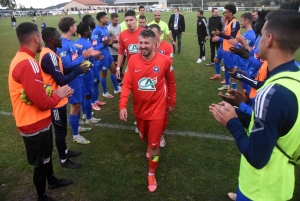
76,5
140,2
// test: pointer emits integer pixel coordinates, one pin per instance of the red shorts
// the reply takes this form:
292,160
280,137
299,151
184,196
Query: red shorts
150,130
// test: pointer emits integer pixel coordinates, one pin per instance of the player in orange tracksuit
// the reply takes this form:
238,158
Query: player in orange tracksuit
150,78
164,48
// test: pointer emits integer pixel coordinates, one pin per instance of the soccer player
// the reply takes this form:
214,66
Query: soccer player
176,25
163,26
232,29
13,21
166,49
202,33
128,40
141,12
149,75
96,69
53,74
270,147
70,59
31,109
101,42
83,44
143,22
43,26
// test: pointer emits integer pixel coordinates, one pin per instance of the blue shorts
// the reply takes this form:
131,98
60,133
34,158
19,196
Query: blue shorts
219,54
106,62
241,197
87,89
77,96
229,59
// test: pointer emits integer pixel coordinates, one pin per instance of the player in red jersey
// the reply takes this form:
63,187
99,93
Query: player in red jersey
128,39
150,78
165,48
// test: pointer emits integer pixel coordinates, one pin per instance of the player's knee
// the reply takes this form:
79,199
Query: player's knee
216,60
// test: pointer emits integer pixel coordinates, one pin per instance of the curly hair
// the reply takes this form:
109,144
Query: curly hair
65,23
231,8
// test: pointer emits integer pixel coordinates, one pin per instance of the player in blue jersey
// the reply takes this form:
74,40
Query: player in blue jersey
101,42
88,78
70,59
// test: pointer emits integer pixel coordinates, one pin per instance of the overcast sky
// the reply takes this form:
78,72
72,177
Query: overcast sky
39,3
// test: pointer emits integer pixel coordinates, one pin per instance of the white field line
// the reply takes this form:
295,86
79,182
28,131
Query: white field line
168,132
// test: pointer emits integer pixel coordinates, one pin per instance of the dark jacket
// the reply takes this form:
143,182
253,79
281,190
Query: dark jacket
181,23
202,30
213,24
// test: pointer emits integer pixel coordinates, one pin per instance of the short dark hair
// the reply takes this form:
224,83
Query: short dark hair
82,28
155,26
48,33
260,21
114,15
141,7
281,22
142,17
86,18
130,13
100,15
65,23
231,8
212,10
176,8
25,30
147,33
254,11
247,16
200,11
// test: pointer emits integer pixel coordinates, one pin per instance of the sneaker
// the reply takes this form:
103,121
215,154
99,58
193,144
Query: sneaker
199,61
148,153
96,107
224,87
60,182
162,141
92,120
100,103
107,95
83,130
203,58
152,185
119,90
210,64
84,115
216,77
136,130
223,68
223,81
232,196
71,153
81,140
70,164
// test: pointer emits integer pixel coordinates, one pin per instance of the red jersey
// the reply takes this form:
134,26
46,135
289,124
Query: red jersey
166,49
129,41
152,84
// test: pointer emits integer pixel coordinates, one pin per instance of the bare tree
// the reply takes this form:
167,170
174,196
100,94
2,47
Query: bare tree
8,3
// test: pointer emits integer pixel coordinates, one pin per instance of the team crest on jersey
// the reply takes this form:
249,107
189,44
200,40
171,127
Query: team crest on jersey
156,69
133,48
162,51
79,46
63,53
147,84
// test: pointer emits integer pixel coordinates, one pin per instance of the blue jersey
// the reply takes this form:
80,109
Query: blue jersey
70,59
254,62
242,63
43,25
81,45
100,34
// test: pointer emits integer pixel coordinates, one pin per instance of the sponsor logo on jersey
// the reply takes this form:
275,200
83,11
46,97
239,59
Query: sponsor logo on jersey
104,38
74,56
133,48
79,46
156,69
94,42
63,53
147,84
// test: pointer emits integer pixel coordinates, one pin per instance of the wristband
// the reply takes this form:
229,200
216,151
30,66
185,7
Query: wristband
118,68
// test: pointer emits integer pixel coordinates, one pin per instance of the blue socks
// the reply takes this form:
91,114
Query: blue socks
103,83
227,77
114,80
234,85
74,123
88,108
218,68
95,93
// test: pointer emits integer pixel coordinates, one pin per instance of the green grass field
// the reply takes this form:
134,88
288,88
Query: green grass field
114,166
